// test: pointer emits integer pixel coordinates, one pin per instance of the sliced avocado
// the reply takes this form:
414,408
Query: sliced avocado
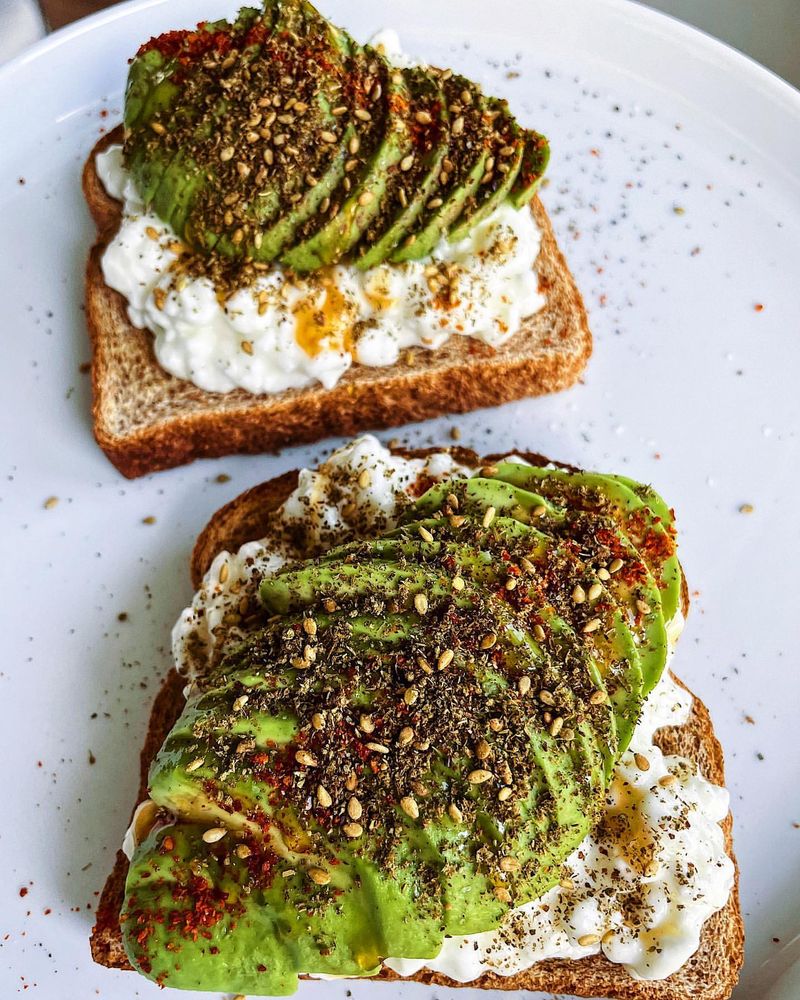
470,132
412,182
502,168
357,656
361,203
534,163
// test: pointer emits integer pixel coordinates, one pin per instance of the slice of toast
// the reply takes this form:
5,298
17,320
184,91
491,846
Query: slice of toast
710,974
146,419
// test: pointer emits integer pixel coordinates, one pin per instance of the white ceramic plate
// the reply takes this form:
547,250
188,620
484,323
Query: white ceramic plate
675,193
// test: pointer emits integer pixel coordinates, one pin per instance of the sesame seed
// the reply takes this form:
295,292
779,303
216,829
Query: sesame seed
423,117
504,794
240,702
496,725
339,111
546,698
457,126
242,851
539,511
409,806
363,115
445,659
603,574
158,128
365,724
644,607
435,203
482,750
502,894
586,940
420,603
353,145
591,626
511,583
556,726
325,136
488,516
305,759
377,747
405,736
578,595
424,666
351,165
407,162
227,154
214,834
366,197
317,721
595,591
457,520
194,765
479,776
410,695
598,697
641,762
615,566
354,808
538,633
247,346
353,830
458,583
488,640
50,502
455,813
488,471
668,780
509,864
323,797
425,534
524,684
319,876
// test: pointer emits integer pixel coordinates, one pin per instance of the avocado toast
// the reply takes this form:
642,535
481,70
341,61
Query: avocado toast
479,600
368,215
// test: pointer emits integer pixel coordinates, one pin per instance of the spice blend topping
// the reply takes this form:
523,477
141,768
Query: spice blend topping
412,734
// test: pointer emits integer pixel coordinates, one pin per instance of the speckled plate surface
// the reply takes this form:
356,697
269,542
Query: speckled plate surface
675,193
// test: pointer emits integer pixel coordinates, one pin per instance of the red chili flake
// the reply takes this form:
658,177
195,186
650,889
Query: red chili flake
23,891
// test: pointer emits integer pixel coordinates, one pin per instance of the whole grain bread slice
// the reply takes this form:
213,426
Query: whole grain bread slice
146,419
710,974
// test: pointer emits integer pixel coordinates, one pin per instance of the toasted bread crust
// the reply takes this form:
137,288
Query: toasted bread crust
146,419
710,974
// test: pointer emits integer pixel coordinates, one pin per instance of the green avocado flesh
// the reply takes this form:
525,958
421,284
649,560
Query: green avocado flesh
410,737
278,138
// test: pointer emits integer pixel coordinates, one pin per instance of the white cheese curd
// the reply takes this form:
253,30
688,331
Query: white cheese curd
279,334
641,885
